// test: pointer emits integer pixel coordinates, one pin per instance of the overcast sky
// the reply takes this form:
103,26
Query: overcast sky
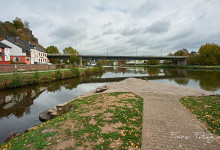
92,26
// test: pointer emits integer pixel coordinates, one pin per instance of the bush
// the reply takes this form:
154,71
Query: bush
153,62
58,75
16,80
88,71
36,77
101,69
75,71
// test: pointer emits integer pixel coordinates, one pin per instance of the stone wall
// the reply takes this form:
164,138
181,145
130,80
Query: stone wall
23,67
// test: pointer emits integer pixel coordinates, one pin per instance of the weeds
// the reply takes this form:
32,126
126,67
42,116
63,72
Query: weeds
16,80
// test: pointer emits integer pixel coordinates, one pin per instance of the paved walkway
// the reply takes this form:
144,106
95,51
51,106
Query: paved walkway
166,123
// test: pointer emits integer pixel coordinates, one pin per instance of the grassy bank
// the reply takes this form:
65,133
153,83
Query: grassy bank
176,66
18,79
207,109
104,121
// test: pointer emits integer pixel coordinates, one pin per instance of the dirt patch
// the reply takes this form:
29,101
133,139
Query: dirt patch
108,116
93,122
116,144
47,131
64,145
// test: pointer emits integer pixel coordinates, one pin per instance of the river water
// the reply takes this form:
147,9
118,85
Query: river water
20,108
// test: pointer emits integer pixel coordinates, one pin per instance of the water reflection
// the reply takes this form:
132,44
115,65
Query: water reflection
203,79
19,101
208,80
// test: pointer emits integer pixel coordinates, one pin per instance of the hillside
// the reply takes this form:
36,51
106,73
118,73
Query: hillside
19,29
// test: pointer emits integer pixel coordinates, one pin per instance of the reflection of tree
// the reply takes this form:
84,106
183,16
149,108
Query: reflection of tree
208,80
153,71
18,101
56,86
70,84
123,70
182,81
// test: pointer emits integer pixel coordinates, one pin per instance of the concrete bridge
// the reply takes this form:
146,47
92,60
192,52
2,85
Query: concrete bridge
181,60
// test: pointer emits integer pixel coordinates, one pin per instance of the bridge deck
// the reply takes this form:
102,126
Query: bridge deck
62,56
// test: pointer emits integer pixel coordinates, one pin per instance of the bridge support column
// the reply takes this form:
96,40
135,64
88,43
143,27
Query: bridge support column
181,62
80,62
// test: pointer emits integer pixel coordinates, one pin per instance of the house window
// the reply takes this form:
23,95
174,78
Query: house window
27,58
16,59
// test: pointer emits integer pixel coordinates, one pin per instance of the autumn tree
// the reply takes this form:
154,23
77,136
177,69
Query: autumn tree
74,60
182,52
153,62
52,49
18,24
70,50
210,54
73,55
121,62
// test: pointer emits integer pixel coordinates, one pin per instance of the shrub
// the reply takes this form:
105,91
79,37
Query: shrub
16,80
88,71
100,68
36,77
58,75
75,71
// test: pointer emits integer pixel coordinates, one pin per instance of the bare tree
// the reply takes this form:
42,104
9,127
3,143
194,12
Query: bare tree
26,24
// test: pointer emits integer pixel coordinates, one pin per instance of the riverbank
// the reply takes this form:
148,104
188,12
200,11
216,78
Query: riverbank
164,119
19,79
177,66
101,121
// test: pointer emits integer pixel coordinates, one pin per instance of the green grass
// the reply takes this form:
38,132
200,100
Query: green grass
207,109
84,133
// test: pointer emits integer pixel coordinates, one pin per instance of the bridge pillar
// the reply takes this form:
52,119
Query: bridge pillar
80,62
181,62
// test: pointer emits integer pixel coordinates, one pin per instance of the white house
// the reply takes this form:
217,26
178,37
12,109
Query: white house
38,55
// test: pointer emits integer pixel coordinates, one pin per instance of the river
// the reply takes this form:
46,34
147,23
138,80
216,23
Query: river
20,107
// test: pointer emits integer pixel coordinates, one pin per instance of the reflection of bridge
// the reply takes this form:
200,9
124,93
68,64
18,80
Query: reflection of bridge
181,60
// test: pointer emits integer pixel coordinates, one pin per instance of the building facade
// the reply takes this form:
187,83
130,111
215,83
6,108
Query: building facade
4,53
38,55
22,52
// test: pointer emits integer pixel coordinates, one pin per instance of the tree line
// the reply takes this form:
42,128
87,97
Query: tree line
208,54
68,50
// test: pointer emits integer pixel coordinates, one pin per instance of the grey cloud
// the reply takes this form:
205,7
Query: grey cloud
67,36
96,37
129,31
158,27
146,9
138,41
107,25
181,35
110,31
